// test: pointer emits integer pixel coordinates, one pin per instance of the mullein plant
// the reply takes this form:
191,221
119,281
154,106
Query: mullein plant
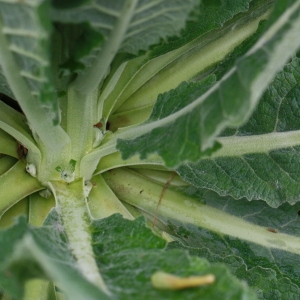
150,149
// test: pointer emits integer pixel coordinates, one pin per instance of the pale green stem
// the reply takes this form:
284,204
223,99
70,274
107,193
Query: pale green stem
16,184
81,116
8,145
39,289
9,217
90,79
188,61
174,207
102,202
40,121
142,80
72,206
231,146
6,163
39,207
15,124
261,143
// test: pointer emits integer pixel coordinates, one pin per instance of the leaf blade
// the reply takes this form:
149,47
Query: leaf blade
243,98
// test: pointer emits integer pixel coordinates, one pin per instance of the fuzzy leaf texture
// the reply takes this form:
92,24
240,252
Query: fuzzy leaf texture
151,20
227,103
26,27
28,252
132,254
269,171
119,245
271,271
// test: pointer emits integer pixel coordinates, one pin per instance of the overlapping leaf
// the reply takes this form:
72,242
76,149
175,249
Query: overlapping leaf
228,103
26,27
28,252
209,16
138,73
151,21
129,254
273,175
272,273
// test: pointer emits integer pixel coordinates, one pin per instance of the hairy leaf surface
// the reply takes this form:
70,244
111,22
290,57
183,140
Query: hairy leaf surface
228,103
271,175
132,253
271,272
26,27
29,252
150,21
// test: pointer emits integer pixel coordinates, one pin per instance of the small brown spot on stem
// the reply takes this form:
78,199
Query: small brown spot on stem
161,196
272,230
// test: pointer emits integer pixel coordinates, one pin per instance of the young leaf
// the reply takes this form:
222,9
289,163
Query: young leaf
266,167
228,103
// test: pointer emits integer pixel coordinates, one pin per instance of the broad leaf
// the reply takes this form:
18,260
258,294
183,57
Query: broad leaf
119,245
149,22
269,170
142,79
259,243
26,27
130,253
29,252
209,15
271,272
129,27
228,103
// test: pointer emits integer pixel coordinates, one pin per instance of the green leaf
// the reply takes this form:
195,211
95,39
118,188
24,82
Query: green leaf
14,123
129,253
124,26
272,273
150,22
29,252
259,243
230,102
4,86
73,46
142,79
26,27
209,15
259,173
15,184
